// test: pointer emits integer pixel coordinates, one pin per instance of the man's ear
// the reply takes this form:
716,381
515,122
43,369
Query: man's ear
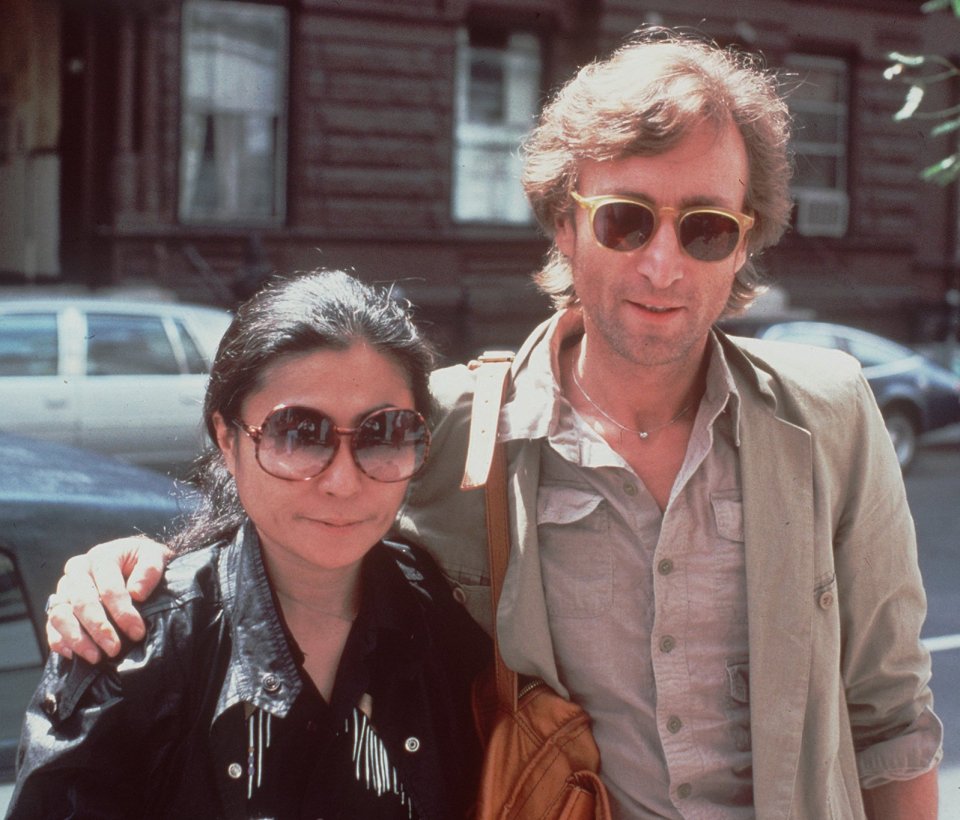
227,441
741,257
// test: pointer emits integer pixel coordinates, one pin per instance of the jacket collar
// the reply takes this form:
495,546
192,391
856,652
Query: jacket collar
261,671
532,408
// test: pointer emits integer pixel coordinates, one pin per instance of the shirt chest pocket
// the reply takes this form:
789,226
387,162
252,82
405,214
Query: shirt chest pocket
728,514
575,554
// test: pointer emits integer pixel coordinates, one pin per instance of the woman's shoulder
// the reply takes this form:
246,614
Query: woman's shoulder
416,565
420,574
189,577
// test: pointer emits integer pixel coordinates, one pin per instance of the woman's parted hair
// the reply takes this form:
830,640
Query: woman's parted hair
303,313
641,101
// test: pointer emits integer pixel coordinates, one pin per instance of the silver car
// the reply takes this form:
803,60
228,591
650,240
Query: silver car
116,376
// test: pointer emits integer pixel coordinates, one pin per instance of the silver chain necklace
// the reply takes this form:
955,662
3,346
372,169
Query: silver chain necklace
643,434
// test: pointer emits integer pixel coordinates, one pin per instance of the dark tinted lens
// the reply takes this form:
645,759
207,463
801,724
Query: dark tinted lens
708,236
391,445
297,443
623,226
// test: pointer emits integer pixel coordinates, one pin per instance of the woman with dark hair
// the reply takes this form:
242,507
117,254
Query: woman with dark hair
295,663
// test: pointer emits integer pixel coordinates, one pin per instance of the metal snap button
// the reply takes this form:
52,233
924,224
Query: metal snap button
49,704
459,595
271,683
412,744
234,771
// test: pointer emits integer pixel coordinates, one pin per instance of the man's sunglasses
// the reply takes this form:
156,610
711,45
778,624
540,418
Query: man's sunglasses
622,223
298,443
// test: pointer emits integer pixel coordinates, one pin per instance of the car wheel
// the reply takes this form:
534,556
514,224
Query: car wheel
903,434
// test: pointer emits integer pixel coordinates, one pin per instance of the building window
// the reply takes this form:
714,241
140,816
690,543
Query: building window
233,128
498,86
820,108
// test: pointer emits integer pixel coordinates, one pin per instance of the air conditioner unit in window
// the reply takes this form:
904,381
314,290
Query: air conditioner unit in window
821,212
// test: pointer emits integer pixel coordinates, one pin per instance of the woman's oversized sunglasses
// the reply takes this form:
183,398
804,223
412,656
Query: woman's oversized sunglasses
299,443
622,223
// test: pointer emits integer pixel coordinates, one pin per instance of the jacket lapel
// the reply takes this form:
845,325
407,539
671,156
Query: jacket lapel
778,534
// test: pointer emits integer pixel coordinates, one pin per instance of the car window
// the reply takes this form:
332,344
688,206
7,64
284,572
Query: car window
807,336
873,352
121,345
28,344
18,640
195,361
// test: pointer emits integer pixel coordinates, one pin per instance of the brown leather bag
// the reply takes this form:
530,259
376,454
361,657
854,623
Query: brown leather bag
540,758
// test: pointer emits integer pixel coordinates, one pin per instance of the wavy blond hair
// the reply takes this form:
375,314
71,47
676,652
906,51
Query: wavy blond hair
641,101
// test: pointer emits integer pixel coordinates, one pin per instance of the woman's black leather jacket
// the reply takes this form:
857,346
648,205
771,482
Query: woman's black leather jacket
161,731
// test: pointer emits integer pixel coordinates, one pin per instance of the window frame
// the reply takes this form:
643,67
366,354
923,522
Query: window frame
187,212
501,139
813,201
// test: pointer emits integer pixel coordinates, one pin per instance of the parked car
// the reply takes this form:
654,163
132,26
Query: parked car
915,394
116,376
57,500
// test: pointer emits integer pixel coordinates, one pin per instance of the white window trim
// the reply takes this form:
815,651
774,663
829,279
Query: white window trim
823,210
281,110
502,139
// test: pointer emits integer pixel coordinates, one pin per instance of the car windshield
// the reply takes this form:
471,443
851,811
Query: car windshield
871,351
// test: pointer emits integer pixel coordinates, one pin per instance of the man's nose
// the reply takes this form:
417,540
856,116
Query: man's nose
662,259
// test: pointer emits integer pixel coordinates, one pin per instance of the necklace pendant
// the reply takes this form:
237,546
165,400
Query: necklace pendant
643,433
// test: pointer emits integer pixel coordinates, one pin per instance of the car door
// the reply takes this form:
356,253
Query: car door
136,400
21,658
37,391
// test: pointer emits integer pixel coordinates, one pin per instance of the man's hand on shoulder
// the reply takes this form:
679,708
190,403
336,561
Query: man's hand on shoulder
95,596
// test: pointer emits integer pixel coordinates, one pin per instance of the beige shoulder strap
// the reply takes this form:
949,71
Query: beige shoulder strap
493,374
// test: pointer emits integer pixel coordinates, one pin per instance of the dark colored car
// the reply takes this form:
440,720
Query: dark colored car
915,394
55,501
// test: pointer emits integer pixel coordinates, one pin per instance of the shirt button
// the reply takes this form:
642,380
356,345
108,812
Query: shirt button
412,744
667,643
684,790
630,489
665,567
271,683
674,725
826,600
459,595
234,771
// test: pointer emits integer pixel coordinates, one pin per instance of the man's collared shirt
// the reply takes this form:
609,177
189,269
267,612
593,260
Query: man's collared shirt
647,610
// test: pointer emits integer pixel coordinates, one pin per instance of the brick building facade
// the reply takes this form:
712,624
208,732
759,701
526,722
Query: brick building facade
197,145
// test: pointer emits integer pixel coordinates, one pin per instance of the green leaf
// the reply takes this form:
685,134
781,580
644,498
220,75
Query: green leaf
912,60
945,128
943,172
911,103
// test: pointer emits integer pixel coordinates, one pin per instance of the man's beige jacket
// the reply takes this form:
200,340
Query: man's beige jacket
839,693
